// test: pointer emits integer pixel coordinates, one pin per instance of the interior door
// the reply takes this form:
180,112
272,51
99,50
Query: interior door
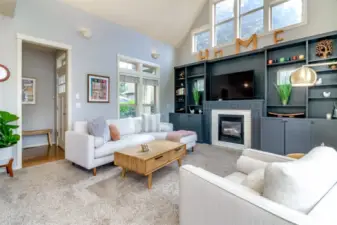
61,81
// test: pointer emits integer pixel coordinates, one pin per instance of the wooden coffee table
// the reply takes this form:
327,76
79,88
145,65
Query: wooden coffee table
161,154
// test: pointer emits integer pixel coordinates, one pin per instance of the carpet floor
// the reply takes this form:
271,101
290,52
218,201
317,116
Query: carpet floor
63,194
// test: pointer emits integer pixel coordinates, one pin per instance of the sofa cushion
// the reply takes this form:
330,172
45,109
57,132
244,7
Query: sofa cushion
158,135
99,128
236,177
300,184
189,139
81,127
151,123
114,133
247,165
126,141
125,126
138,124
98,142
255,180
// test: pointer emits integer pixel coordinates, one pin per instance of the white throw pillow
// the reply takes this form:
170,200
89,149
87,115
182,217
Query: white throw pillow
247,165
125,126
151,123
138,124
255,180
301,184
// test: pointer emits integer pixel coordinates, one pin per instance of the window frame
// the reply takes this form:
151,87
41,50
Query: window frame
267,23
155,98
139,86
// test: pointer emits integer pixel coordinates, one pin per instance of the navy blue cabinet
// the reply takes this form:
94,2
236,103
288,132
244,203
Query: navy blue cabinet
192,122
297,136
323,131
272,135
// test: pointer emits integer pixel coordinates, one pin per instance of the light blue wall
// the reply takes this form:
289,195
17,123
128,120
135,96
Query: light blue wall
54,20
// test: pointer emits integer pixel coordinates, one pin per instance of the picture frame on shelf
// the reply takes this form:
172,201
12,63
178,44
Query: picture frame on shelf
28,91
98,89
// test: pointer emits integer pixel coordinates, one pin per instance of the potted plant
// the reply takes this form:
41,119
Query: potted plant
7,136
284,91
196,95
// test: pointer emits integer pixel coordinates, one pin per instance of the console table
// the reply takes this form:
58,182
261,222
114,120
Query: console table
39,132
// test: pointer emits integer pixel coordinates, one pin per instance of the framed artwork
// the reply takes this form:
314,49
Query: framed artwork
98,89
28,90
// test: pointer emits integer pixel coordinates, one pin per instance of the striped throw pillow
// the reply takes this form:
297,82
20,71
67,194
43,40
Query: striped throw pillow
150,123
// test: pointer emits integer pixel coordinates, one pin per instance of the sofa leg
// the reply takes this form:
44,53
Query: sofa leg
94,171
193,149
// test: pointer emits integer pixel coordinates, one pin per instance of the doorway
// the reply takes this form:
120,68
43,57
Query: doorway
44,69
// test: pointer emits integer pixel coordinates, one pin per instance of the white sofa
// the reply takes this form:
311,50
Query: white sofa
206,198
90,152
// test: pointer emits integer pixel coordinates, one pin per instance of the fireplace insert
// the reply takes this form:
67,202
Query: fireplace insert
231,128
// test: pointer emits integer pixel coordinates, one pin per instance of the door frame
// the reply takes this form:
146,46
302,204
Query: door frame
47,43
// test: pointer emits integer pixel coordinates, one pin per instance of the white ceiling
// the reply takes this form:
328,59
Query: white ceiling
7,7
165,20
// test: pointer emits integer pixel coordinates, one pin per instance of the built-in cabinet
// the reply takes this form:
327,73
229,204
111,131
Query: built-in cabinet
289,135
192,122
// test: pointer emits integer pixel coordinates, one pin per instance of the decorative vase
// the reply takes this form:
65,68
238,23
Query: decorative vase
333,67
284,101
6,153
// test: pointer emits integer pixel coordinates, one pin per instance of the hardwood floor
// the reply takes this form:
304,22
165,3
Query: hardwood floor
40,155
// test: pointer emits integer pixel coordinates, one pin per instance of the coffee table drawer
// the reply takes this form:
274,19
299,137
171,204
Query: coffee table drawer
157,162
177,153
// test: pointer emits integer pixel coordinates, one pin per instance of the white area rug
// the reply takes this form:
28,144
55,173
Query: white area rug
60,193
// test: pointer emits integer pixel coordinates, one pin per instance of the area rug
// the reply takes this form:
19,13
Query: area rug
63,194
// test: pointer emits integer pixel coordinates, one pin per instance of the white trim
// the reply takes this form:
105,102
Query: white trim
39,41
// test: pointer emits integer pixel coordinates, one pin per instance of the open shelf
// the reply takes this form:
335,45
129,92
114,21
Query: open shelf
326,71
323,59
286,106
286,63
196,76
324,85
322,98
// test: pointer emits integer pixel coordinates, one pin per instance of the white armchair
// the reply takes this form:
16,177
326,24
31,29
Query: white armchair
206,198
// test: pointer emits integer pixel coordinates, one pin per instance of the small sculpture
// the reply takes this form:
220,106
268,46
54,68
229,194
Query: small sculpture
324,48
145,148
276,38
326,94
201,56
218,53
334,111
182,75
319,81
246,43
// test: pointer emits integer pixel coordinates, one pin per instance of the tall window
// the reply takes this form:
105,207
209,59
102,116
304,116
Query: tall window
286,13
224,22
251,18
201,40
138,87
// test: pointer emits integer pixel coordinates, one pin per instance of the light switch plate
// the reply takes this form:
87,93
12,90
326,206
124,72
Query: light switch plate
78,105
77,96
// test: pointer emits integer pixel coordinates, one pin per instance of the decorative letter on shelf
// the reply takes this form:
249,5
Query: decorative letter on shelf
276,39
246,43
218,53
203,57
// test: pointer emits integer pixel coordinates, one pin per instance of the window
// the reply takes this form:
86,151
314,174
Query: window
137,88
224,21
251,18
201,41
286,13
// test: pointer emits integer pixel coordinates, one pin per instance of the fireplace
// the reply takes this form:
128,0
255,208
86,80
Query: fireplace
231,128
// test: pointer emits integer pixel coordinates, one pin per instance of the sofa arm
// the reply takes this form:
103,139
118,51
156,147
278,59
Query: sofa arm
206,198
80,149
265,156
166,127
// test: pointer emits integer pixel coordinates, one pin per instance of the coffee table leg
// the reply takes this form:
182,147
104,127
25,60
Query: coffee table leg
179,162
9,168
149,181
124,172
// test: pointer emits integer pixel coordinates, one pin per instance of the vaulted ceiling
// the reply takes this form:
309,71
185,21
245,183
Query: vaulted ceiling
165,20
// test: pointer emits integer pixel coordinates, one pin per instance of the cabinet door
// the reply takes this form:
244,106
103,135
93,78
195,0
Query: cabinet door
195,124
323,131
297,136
174,118
272,135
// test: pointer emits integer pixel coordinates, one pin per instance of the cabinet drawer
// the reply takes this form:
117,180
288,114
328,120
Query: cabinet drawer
177,153
157,162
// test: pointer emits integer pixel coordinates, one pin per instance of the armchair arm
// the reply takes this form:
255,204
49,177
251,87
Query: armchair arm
206,198
166,127
265,156
80,149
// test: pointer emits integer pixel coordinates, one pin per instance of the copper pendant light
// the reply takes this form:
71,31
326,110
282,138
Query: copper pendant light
303,76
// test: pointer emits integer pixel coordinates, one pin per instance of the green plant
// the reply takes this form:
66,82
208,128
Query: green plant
196,95
7,137
284,91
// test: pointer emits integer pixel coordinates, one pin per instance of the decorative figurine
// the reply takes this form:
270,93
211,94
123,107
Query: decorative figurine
319,81
145,148
301,57
324,48
334,111
270,61
282,59
326,94
276,38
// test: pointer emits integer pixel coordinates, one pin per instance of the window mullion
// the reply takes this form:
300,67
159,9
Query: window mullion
251,11
236,18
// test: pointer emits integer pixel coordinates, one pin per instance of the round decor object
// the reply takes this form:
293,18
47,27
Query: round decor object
4,73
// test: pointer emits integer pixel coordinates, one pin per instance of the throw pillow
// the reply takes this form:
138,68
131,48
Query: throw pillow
247,165
114,133
150,123
255,180
300,184
98,128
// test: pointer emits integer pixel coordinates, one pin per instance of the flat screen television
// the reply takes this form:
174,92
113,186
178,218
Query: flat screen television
233,86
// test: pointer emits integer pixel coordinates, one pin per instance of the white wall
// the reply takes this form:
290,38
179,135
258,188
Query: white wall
321,18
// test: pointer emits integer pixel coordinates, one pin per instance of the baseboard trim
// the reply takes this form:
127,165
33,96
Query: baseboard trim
37,145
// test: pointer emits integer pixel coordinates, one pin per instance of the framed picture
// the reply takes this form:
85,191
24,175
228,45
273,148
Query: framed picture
98,89
28,90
